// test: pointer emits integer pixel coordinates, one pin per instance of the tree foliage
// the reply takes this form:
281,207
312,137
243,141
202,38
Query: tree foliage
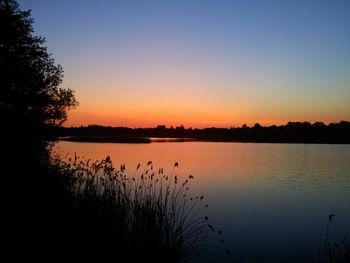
31,98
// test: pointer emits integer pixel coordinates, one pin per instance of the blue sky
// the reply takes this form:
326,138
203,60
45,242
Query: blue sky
200,63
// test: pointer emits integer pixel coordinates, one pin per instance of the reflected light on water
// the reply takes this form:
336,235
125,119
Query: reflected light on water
270,200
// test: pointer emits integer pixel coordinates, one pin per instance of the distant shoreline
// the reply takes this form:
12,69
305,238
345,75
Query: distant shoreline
292,132
105,139
143,140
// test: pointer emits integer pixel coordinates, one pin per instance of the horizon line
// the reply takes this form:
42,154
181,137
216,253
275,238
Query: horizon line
208,127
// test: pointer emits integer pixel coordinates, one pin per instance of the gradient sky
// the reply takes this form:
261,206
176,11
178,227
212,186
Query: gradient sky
200,63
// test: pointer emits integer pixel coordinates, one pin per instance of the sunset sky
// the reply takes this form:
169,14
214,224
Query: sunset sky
200,63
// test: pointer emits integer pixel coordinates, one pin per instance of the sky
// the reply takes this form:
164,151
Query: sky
200,63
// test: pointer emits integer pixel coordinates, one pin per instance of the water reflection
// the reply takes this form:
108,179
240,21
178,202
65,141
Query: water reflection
270,200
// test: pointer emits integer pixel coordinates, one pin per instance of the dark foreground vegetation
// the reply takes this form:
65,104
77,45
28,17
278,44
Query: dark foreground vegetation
330,251
292,132
88,209
143,215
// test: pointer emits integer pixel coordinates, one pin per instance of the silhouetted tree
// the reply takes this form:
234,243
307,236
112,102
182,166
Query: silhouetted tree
161,127
180,128
31,99
257,126
318,124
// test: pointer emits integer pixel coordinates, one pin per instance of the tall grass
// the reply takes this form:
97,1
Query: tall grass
330,251
148,214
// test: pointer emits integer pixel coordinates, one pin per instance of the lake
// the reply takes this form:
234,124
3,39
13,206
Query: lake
271,201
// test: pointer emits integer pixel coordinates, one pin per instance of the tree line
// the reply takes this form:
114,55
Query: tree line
292,132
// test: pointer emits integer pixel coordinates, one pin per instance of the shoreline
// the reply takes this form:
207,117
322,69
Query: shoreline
147,140
105,139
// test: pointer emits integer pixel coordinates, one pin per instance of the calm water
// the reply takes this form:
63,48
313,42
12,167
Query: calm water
271,201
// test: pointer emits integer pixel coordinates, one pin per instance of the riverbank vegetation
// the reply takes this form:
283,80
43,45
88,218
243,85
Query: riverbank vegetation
330,251
147,215
292,132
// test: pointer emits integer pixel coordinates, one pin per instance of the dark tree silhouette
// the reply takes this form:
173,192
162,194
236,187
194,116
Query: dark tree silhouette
31,99
31,104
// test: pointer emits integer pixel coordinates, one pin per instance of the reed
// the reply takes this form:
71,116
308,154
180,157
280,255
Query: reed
150,213
330,251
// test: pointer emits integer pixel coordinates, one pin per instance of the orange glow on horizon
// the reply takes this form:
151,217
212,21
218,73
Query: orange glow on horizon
196,119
